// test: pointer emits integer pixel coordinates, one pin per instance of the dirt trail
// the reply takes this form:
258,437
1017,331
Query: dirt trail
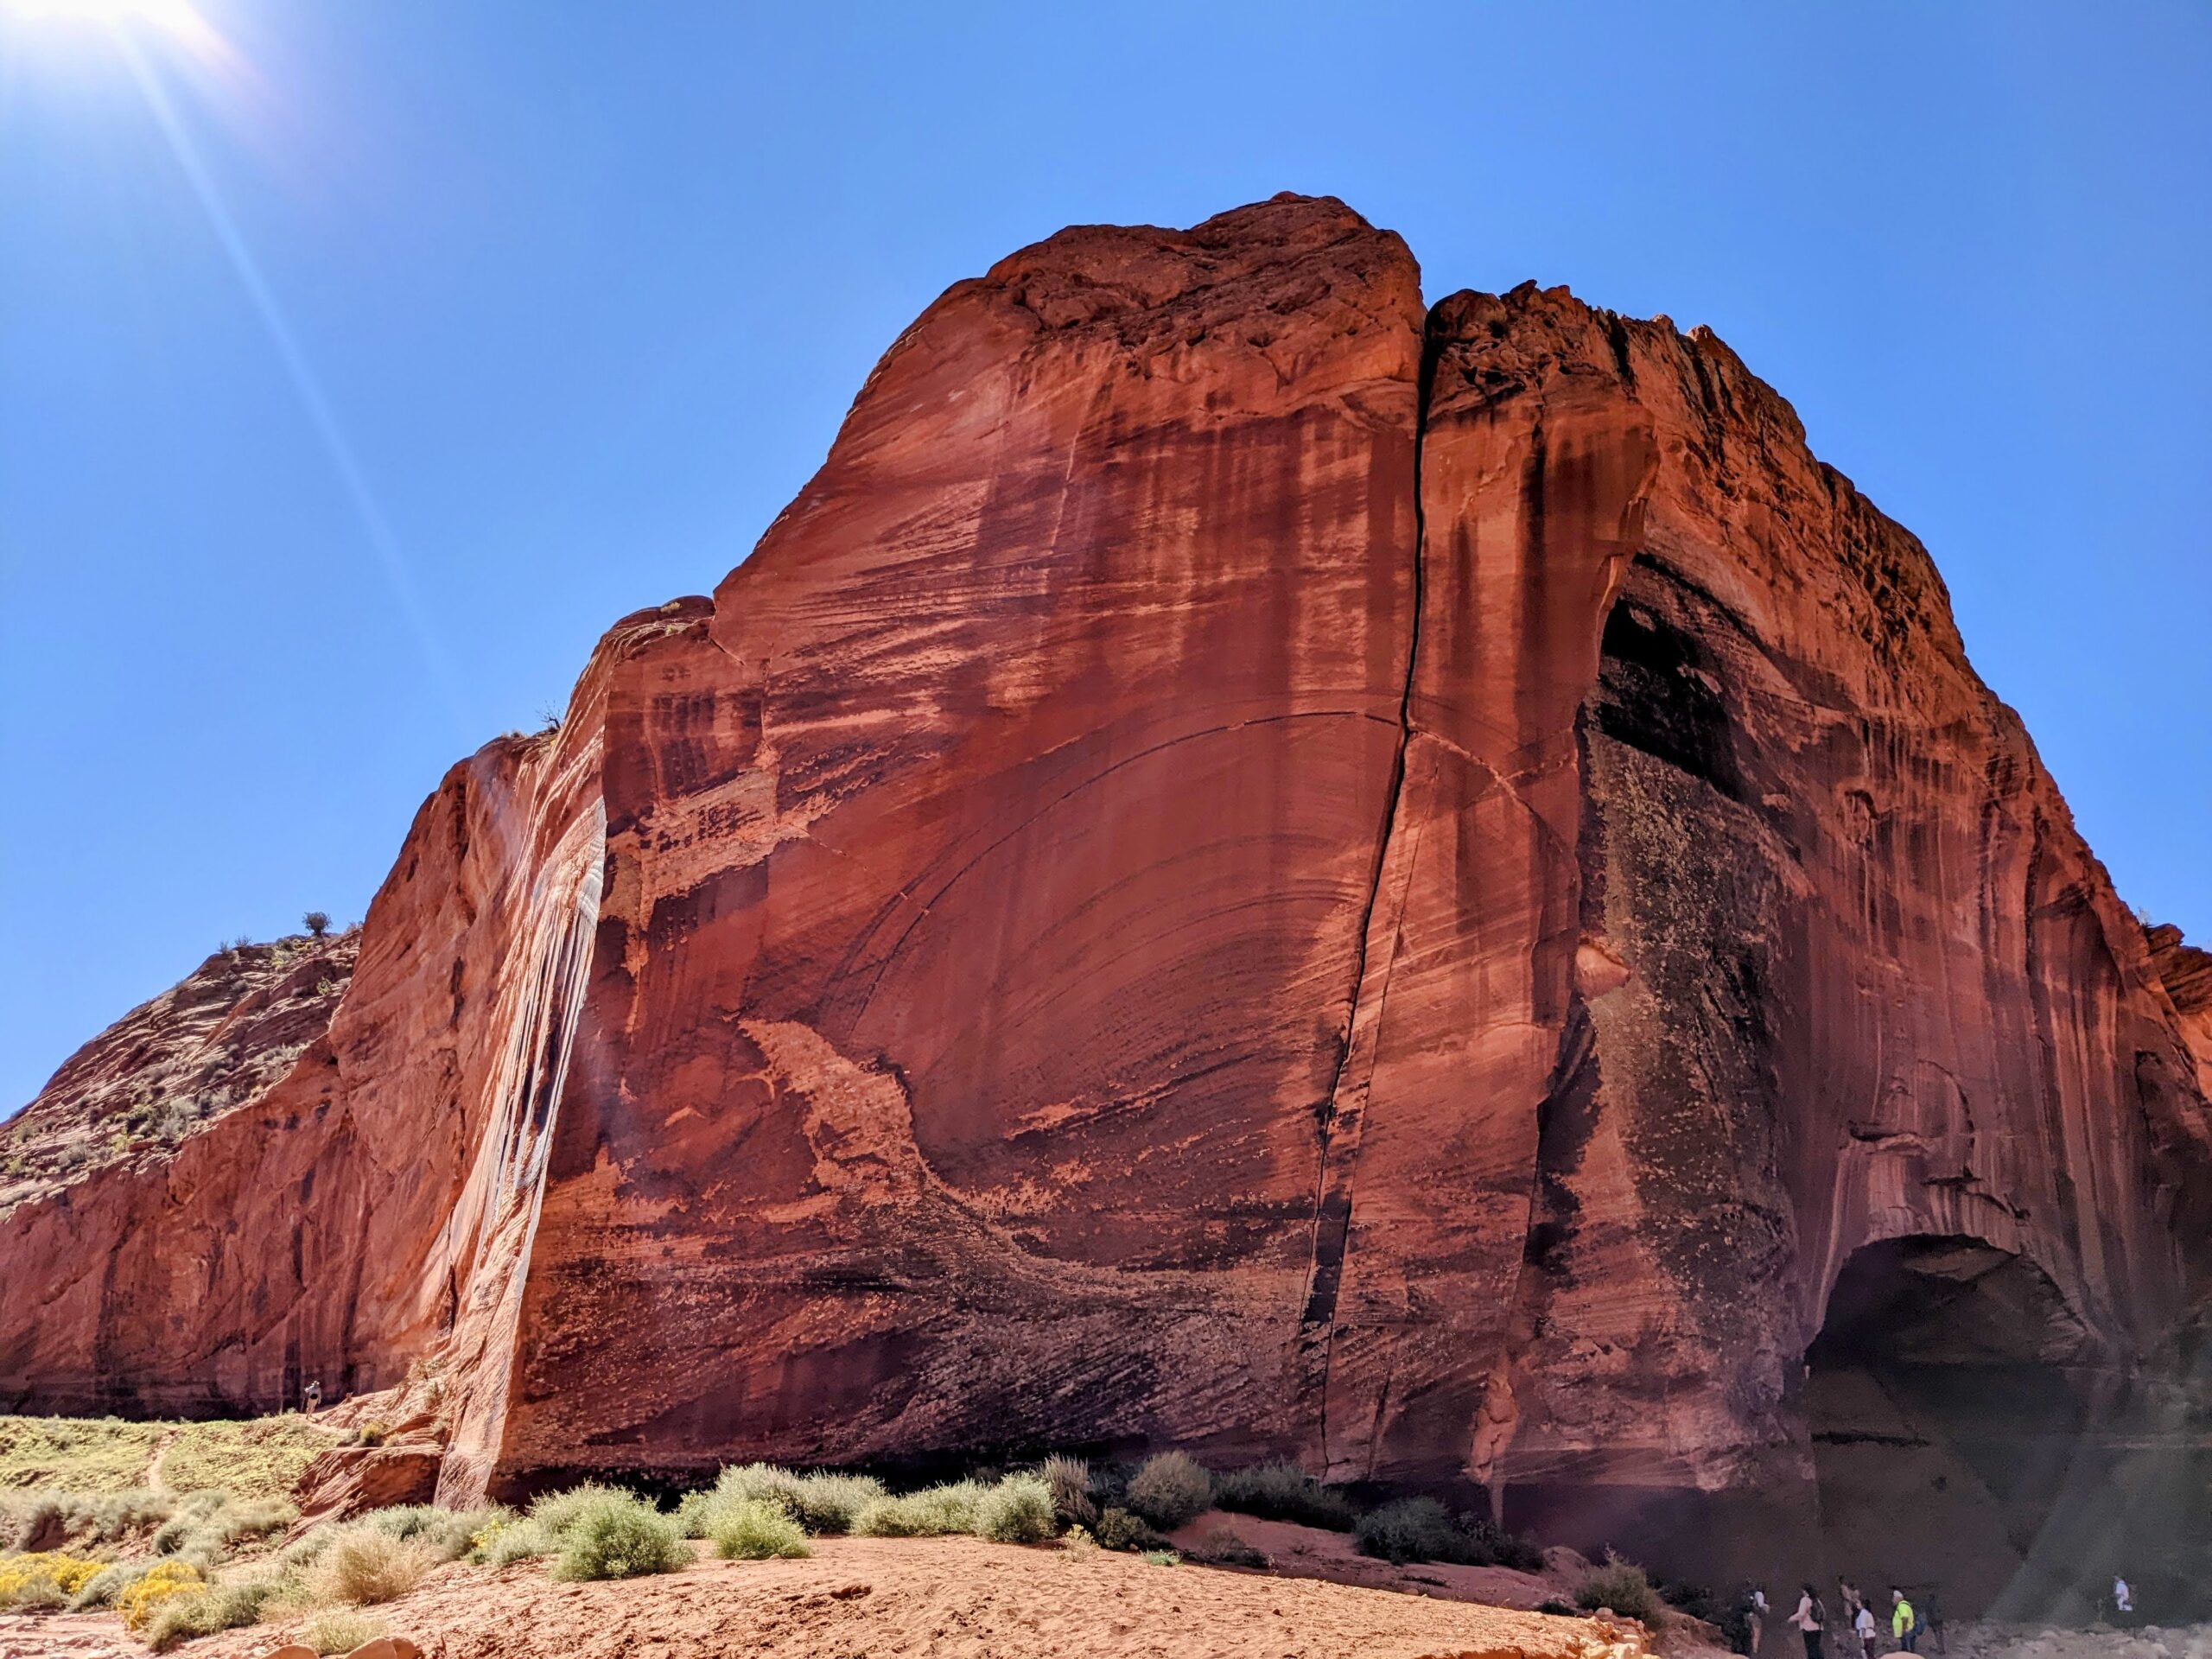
946,1598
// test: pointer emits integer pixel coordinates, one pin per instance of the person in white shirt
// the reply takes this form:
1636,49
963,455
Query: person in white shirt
1754,1611
1807,1619
2122,1597
1864,1627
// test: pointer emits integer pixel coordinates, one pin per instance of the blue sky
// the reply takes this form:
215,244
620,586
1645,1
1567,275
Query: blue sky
330,441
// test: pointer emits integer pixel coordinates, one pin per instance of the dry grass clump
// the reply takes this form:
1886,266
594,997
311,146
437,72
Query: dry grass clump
1283,1492
360,1564
339,1629
755,1528
1169,1489
1069,1479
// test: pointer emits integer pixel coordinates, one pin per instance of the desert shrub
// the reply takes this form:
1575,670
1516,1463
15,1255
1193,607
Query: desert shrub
619,1537
1485,1543
45,1581
1559,1609
826,1502
360,1565
516,1540
1621,1587
253,1518
1169,1489
316,922
223,1607
1410,1530
558,1512
339,1629
754,1528
1119,1529
448,1534
1018,1511
39,1595
104,1585
1069,1480
933,1511
1283,1492
372,1433
160,1583
1162,1558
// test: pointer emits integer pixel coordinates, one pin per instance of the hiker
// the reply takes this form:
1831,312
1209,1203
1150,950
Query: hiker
1862,1624
1754,1611
1847,1594
1808,1618
1931,1616
2123,1598
311,1397
1905,1623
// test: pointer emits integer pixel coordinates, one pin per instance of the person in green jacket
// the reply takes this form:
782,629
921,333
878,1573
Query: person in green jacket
1905,1623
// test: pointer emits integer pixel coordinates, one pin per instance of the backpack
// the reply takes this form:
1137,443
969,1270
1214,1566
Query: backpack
1820,1612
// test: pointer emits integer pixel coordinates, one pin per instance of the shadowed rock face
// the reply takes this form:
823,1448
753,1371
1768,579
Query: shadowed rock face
1250,864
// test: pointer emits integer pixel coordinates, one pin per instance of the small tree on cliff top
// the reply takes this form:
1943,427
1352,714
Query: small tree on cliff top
317,921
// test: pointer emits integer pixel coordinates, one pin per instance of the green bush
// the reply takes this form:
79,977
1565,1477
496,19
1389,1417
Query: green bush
754,1528
1422,1529
619,1537
1283,1492
1169,1489
1119,1529
448,1534
1069,1481
935,1510
558,1512
1018,1511
1162,1558
1410,1530
826,1502
518,1540
1620,1586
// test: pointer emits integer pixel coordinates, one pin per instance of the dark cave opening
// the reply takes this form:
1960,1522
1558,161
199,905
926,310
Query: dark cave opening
1945,1401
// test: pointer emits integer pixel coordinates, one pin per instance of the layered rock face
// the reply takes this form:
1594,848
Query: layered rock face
1252,866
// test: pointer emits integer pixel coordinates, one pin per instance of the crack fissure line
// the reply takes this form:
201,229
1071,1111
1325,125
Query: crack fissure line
1339,1127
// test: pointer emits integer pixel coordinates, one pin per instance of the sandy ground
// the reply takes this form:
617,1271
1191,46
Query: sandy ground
944,1598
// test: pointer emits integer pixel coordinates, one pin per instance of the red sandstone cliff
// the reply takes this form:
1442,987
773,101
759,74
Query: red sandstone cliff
1249,866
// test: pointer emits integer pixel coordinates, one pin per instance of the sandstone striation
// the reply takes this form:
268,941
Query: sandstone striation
1256,865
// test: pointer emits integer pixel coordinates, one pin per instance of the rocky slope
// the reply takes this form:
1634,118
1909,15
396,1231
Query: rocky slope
211,1043
1253,865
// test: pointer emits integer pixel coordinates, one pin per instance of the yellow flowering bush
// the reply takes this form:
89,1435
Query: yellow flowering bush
164,1581
65,1571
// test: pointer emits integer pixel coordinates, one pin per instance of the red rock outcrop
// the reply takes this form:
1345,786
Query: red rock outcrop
1254,866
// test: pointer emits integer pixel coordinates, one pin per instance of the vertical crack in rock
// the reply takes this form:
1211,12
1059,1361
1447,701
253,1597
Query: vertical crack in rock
1344,1118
